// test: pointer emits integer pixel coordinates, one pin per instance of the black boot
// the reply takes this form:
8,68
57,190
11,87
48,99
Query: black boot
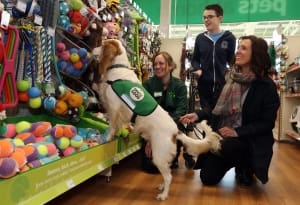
244,177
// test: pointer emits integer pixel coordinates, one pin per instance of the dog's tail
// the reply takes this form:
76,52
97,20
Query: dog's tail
194,147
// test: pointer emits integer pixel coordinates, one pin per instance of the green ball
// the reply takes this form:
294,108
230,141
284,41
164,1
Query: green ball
22,126
62,143
23,85
18,142
42,150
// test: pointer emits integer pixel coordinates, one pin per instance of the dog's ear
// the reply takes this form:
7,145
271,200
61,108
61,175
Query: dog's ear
110,49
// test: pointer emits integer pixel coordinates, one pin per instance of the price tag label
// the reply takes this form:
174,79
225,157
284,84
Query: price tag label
38,20
5,16
70,183
21,5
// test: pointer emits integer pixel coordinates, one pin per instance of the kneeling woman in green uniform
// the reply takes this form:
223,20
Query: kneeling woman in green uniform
171,94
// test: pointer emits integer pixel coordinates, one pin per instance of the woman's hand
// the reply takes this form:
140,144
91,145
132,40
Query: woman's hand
188,118
227,132
148,150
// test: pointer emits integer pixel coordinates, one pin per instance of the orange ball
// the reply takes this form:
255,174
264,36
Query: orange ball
78,65
57,131
23,96
75,100
26,137
61,107
65,96
20,157
6,148
70,131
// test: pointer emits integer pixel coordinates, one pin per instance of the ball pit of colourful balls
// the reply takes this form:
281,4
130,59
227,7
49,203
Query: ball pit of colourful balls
72,61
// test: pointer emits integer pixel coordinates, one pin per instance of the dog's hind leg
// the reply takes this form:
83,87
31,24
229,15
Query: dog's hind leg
167,179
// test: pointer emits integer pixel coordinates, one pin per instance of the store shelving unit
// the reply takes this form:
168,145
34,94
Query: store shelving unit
288,102
40,185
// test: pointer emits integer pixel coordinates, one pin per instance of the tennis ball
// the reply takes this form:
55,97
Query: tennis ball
35,102
51,149
20,157
83,147
8,167
11,131
22,126
57,131
62,143
68,151
48,138
49,103
6,148
76,141
26,137
30,152
70,131
18,142
23,85
42,150
40,129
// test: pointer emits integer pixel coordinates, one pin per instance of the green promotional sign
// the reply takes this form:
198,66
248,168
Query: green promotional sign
190,11
41,184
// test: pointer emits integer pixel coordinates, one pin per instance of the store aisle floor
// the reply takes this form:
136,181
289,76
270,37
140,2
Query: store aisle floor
131,186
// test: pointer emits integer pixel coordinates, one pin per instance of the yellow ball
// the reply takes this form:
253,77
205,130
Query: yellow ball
74,57
35,102
42,150
22,126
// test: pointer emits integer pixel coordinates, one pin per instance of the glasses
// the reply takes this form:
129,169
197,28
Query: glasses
209,17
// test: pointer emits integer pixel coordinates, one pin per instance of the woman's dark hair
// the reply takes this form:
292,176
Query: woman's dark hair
216,7
167,58
260,62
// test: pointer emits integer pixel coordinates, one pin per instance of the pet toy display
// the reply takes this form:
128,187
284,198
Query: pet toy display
8,90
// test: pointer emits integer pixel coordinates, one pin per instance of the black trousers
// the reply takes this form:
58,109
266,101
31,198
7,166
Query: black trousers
234,152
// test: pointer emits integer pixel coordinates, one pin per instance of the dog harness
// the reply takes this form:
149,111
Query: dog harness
135,96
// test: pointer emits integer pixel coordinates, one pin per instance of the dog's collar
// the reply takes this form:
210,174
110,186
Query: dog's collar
117,66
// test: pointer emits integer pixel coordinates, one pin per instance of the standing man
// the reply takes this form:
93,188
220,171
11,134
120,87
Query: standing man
214,49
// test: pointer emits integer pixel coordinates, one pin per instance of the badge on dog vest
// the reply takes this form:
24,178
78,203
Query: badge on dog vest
137,98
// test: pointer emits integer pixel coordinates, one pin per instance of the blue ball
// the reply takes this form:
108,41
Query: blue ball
82,52
64,21
63,8
73,50
62,64
34,92
49,103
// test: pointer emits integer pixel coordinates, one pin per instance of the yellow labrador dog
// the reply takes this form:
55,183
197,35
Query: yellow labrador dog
149,120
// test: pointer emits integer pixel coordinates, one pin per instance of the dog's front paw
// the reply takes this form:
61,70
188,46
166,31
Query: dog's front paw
162,196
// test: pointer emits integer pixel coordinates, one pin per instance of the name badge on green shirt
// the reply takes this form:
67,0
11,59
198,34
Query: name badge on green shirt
157,94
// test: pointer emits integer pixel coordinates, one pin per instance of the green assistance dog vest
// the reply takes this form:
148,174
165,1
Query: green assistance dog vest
135,96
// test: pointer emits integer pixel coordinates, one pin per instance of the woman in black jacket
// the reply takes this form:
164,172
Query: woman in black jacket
244,116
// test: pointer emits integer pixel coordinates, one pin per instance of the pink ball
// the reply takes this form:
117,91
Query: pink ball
60,47
68,151
10,131
65,55
51,149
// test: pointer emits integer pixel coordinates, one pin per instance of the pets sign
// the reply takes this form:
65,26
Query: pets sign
262,7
